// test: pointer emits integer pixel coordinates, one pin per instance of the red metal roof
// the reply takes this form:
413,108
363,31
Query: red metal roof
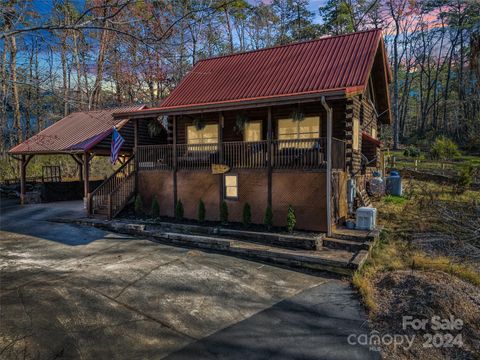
340,63
77,132
368,138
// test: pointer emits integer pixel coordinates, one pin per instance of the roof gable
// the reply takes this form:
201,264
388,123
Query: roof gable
332,63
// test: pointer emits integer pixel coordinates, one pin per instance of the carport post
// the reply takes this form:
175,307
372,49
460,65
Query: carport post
86,176
24,160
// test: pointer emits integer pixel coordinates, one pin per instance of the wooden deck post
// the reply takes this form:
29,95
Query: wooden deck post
86,179
328,181
24,160
135,145
220,155
269,155
175,199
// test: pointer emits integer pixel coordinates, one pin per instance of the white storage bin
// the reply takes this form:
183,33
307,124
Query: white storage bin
366,218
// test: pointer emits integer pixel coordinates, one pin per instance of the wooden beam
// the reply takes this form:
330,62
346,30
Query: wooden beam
24,160
86,178
175,199
135,145
220,155
269,155
79,161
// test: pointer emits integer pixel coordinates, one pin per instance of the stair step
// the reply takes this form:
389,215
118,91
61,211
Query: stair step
331,260
349,245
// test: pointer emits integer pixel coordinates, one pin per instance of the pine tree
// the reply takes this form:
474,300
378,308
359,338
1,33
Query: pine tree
291,218
247,214
268,218
179,210
155,208
201,211
224,213
138,205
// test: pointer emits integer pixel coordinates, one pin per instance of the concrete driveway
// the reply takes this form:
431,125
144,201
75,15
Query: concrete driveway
73,292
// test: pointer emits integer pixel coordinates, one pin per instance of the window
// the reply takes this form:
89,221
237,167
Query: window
207,135
231,187
252,131
355,134
308,128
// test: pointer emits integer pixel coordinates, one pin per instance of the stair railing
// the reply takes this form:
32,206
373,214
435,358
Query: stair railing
98,198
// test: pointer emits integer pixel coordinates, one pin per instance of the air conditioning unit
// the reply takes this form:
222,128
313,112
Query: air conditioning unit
366,218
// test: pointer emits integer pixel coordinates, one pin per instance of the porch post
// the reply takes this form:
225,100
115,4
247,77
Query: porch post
269,155
24,160
22,179
175,199
220,154
86,178
328,181
79,163
135,144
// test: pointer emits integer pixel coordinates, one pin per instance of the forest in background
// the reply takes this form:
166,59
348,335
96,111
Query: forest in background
61,56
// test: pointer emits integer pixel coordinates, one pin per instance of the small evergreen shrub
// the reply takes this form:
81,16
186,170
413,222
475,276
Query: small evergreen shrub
443,149
291,218
224,213
412,151
155,208
179,210
201,211
464,179
247,214
138,205
268,218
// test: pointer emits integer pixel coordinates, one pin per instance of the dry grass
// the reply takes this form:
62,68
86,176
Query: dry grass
421,211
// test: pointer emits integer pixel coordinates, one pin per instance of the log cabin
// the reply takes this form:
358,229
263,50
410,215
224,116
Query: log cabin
292,125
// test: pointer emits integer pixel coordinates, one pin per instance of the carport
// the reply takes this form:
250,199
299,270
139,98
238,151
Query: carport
82,135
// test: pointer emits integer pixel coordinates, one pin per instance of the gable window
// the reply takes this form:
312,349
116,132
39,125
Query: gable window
308,128
231,186
207,135
355,134
252,131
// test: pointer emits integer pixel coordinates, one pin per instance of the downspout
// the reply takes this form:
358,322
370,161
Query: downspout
328,181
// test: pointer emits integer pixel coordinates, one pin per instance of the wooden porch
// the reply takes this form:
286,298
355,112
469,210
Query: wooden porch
302,154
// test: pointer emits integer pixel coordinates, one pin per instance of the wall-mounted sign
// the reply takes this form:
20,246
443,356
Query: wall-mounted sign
220,169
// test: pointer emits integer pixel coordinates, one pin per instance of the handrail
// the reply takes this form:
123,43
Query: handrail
98,198
111,176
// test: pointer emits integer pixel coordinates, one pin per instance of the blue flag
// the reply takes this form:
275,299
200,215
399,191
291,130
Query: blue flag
117,142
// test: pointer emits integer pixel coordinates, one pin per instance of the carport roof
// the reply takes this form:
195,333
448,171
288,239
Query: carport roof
75,133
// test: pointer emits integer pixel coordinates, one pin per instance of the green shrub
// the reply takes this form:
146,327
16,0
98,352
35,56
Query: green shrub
464,178
268,218
412,151
224,213
138,205
291,218
201,211
155,208
247,214
443,149
179,210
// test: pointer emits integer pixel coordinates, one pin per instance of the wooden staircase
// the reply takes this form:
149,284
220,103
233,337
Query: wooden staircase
363,198
107,200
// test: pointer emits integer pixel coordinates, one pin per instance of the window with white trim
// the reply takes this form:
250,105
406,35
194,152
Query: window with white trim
252,131
207,135
308,128
231,186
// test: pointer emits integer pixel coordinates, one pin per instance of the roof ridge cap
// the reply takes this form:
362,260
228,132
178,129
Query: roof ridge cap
323,37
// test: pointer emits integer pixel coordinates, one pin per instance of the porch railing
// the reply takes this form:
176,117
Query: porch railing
98,200
155,157
285,154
